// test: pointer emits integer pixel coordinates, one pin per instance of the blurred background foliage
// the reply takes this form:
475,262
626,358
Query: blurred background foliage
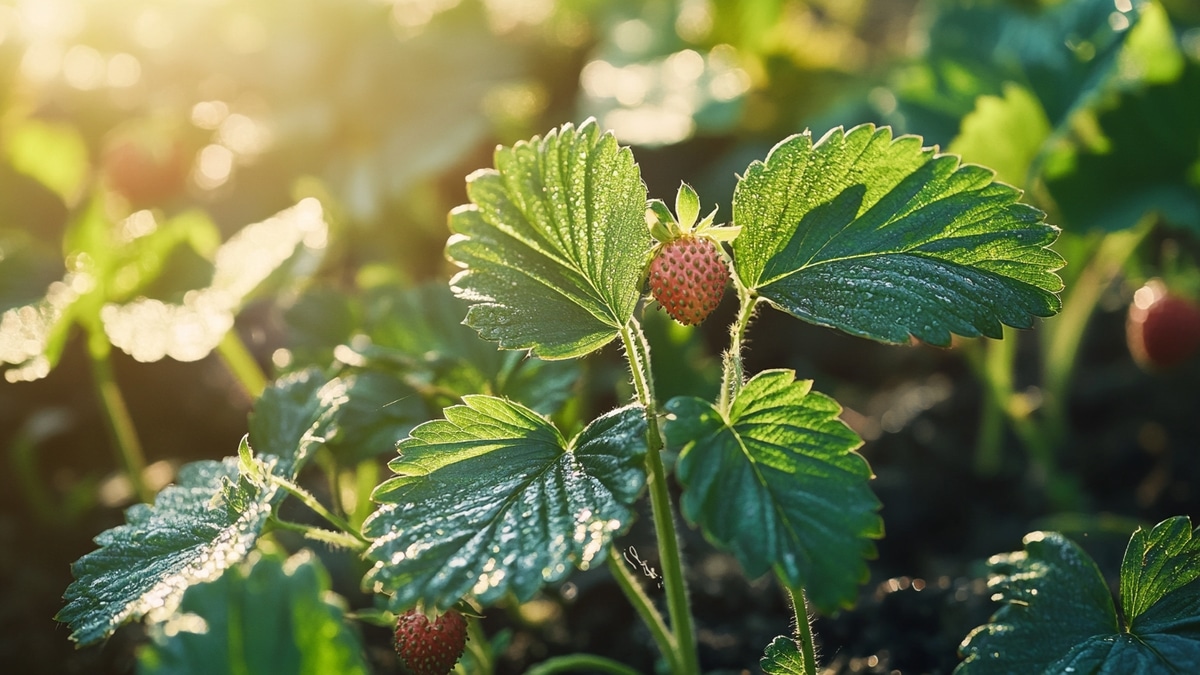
188,119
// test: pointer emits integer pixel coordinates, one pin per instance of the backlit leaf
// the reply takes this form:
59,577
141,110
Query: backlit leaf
779,485
782,657
149,329
554,243
204,523
493,500
884,239
1059,617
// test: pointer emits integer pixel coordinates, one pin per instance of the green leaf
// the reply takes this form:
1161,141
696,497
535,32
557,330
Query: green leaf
150,329
292,417
204,523
1066,53
554,243
1059,615
1160,568
491,500
1018,118
53,154
268,616
783,657
778,483
1148,160
195,530
687,206
379,410
884,239
421,328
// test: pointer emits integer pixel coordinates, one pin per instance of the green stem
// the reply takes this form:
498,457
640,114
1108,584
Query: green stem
317,507
645,608
581,662
995,367
120,424
242,364
804,636
733,375
638,352
1067,329
342,539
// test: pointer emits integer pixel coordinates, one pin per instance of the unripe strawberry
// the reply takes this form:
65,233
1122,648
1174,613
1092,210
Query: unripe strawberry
1162,329
430,647
688,278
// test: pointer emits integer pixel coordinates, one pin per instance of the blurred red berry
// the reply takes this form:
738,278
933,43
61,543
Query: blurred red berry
1163,329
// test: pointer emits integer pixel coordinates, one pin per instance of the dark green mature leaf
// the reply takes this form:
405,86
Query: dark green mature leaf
782,657
554,243
268,616
196,529
206,522
492,500
292,417
884,239
778,483
422,327
1146,162
1064,52
1159,589
379,410
1059,616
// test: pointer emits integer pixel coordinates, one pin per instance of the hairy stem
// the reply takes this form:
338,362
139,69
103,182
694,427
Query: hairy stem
341,539
317,507
804,632
581,663
678,606
732,373
645,608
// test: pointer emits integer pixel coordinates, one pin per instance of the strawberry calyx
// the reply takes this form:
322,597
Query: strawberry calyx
688,269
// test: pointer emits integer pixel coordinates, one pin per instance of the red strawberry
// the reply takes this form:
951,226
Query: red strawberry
688,277
1163,330
430,647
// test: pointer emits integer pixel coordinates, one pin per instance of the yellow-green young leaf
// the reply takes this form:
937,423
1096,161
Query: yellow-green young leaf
885,239
492,500
783,657
53,154
778,484
1059,617
269,615
553,243
1017,118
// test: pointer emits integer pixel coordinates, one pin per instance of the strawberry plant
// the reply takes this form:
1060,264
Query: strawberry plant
861,231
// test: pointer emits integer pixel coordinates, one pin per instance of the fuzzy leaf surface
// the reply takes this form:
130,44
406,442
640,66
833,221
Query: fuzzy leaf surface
553,243
882,238
198,527
493,500
270,616
1059,615
204,523
779,485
